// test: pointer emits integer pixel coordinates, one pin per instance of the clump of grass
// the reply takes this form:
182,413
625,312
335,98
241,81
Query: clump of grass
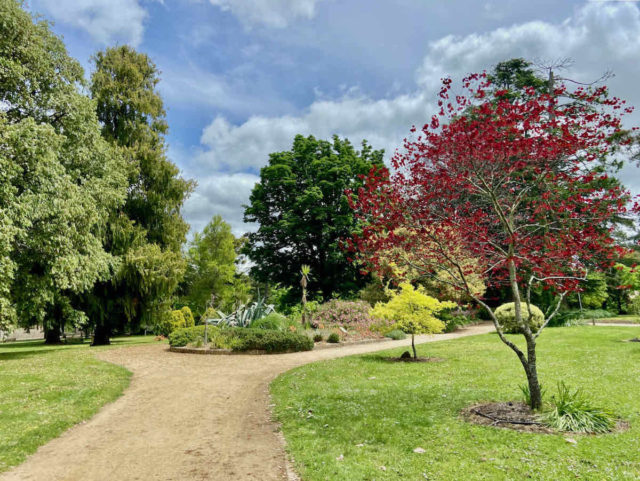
526,393
396,335
572,411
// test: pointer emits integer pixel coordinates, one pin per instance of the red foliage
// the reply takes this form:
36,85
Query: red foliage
501,179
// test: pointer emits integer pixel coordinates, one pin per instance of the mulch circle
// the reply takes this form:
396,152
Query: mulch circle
411,359
517,416
513,415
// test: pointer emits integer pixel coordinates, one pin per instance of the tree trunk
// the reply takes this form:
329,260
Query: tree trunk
101,335
528,362
531,369
52,334
413,346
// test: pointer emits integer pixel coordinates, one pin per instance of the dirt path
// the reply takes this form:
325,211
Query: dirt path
185,417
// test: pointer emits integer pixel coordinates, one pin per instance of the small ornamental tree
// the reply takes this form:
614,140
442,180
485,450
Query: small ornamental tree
518,184
413,312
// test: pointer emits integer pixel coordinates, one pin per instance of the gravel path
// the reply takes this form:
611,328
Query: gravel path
185,417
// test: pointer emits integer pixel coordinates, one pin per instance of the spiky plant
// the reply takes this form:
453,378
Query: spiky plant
572,411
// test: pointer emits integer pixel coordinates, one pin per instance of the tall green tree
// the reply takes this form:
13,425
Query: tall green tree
59,179
211,270
303,214
147,233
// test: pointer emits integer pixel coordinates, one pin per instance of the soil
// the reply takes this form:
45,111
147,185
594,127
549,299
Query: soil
513,415
186,417
517,416
413,359
635,339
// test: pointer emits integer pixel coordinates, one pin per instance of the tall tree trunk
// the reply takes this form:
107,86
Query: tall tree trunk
52,334
413,346
101,334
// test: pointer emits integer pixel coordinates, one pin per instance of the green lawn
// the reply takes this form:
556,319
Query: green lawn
626,318
44,390
327,409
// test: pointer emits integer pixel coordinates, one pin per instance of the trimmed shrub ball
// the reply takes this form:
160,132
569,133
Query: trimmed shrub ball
506,315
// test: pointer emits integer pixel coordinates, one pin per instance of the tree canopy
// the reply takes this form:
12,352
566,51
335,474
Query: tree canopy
211,269
59,179
147,233
518,184
303,214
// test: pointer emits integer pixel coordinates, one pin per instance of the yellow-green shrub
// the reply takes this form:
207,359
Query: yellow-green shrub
173,320
412,311
506,315
189,321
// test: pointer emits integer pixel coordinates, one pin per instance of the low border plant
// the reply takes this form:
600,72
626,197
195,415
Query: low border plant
571,411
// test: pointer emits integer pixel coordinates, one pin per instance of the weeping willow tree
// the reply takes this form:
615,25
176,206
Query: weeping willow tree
147,232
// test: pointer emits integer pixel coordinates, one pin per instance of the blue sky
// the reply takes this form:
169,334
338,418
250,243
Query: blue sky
241,77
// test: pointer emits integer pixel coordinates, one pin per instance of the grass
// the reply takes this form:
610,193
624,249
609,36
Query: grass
44,390
374,413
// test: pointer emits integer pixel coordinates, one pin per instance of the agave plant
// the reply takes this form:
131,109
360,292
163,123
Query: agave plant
245,315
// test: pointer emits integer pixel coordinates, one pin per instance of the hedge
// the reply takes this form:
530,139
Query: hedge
243,339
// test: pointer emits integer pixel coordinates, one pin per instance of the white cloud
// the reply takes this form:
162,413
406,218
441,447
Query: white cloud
272,13
598,37
107,21
247,146
222,194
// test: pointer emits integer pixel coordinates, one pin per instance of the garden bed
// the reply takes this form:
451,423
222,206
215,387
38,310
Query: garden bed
514,415
217,352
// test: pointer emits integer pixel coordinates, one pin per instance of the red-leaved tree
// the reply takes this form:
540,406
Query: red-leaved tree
518,183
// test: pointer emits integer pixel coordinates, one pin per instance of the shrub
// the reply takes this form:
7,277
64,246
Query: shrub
172,320
373,293
183,337
571,411
451,322
333,338
396,335
351,315
576,317
243,339
506,315
317,337
189,321
274,321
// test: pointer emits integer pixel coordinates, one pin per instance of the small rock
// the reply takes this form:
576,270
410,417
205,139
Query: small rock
383,468
405,355
340,458
372,378
419,450
571,441
361,445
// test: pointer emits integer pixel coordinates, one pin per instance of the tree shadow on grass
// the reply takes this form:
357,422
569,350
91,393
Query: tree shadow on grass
24,349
